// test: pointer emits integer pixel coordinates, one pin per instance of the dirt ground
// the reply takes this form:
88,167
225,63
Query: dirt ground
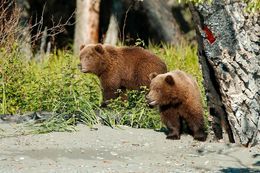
124,149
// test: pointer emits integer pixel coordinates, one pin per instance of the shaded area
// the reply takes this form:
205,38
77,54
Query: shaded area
229,152
240,170
35,117
154,21
50,14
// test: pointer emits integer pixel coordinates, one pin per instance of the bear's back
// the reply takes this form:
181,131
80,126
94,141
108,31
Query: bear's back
184,79
187,85
135,64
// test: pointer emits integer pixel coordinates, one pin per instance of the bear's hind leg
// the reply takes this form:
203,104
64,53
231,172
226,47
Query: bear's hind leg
197,129
200,135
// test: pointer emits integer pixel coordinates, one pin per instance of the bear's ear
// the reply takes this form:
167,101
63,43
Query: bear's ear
152,75
99,48
82,46
169,80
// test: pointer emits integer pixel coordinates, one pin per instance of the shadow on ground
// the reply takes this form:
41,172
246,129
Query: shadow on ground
239,170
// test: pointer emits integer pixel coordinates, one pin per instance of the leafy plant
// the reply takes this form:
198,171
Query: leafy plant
133,111
53,84
12,71
253,5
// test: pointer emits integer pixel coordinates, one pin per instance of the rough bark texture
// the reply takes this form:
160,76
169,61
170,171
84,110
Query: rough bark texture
87,23
229,52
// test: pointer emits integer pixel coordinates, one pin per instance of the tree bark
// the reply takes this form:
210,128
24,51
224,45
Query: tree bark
229,53
87,23
112,31
116,14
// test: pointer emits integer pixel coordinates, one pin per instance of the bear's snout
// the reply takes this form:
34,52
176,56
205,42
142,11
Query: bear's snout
82,69
150,102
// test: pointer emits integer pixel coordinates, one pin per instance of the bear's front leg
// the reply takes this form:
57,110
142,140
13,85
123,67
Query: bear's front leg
108,94
173,124
174,133
110,84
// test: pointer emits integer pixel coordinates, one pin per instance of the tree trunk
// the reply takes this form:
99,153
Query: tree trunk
112,31
162,22
87,23
229,53
116,14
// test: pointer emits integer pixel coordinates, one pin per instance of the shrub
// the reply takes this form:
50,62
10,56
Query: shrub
53,84
133,111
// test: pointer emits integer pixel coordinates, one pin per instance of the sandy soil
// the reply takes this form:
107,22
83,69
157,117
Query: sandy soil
124,149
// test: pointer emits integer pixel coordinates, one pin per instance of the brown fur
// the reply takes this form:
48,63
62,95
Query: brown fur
119,67
178,97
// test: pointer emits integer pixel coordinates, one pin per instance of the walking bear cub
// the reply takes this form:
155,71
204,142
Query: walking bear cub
178,97
119,67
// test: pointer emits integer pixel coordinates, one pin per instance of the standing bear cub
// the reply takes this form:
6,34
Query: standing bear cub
178,97
119,67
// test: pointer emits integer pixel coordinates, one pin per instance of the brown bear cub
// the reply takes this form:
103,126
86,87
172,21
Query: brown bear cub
119,67
178,97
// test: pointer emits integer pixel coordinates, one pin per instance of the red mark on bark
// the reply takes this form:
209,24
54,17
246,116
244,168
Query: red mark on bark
209,35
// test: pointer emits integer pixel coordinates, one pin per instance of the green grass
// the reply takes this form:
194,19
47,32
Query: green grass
132,112
54,84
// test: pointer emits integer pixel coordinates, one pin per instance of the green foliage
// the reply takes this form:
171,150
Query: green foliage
56,123
132,111
253,5
139,42
53,84
183,57
12,71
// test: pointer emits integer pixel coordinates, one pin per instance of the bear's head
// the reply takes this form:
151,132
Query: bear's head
164,90
91,58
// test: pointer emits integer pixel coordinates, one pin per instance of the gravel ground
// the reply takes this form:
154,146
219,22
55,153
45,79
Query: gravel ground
123,149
